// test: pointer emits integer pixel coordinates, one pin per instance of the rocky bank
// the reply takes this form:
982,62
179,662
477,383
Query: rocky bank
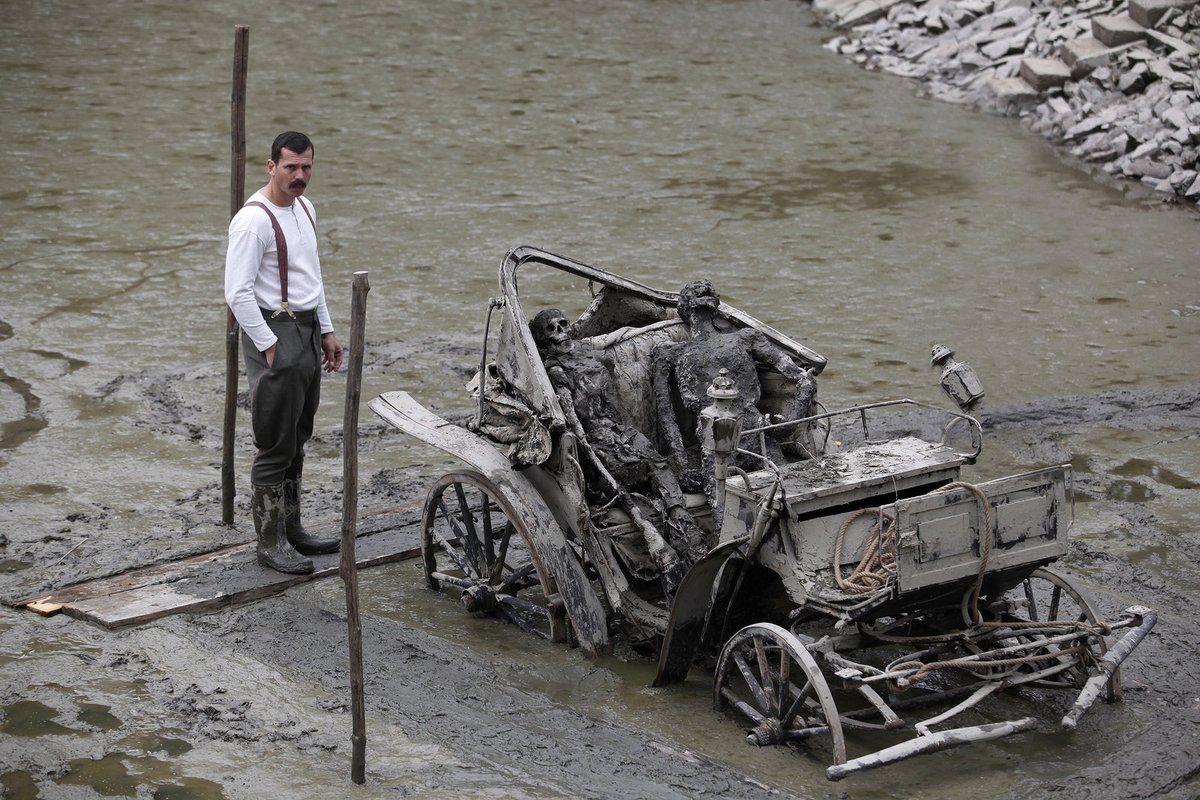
1114,82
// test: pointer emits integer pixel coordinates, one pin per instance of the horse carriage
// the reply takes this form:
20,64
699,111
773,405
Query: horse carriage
853,593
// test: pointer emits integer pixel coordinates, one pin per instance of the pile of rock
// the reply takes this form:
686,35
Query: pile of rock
1117,82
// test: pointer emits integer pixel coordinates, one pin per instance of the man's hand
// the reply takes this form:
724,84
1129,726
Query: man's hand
269,355
331,352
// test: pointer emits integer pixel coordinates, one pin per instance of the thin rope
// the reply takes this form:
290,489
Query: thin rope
923,669
985,542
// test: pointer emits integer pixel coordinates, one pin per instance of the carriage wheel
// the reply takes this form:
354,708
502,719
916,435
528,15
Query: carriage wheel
1047,596
476,545
1050,596
768,676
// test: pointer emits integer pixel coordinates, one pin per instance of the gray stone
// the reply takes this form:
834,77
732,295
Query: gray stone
1134,79
975,7
1182,179
1085,126
1175,44
1086,53
934,22
1117,30
1003,47
1185,135
1010,90
1044,73
1149,168
1147,149
1151,12
1176,116
1161,68
1059,106
863,12
1159,94
1013,15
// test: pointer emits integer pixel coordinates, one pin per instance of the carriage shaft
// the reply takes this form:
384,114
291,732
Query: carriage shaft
931,743
1109,664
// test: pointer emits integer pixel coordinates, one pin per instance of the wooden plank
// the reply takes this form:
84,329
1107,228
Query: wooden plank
44,606
230,579
142,576
220,578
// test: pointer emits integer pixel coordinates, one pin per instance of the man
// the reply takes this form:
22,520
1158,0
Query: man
685,370
586,391
273,286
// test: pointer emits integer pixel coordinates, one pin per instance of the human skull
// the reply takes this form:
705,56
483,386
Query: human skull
551,332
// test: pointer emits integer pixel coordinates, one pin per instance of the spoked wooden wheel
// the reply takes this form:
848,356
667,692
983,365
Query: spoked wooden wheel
474,544
1047,597
768,676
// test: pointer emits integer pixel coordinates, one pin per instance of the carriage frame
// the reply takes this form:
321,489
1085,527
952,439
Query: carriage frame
854,602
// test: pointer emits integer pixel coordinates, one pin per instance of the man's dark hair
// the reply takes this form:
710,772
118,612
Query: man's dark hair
293,140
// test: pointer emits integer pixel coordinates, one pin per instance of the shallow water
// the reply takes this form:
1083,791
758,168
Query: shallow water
663,141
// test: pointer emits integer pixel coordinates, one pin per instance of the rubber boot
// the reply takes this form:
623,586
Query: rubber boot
274,551
299,538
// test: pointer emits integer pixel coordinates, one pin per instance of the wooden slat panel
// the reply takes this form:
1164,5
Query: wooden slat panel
241,580
938,534
221,578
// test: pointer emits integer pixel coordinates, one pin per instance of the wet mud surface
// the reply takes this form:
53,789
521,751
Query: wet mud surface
224,704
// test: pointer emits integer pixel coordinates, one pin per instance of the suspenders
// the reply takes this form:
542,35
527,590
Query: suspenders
281,249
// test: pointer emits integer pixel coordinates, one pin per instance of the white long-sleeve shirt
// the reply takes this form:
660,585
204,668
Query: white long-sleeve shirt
252,267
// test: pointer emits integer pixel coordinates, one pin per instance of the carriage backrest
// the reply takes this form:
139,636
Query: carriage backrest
628,353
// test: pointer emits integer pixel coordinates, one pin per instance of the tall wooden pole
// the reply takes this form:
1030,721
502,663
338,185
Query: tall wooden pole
237,195
349,567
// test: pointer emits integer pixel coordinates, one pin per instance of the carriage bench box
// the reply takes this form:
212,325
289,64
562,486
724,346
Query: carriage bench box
937,532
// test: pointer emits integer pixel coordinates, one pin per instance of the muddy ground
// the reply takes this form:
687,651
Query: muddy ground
256,696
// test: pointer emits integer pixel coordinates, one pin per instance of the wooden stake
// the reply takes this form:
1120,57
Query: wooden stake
237,195
349,568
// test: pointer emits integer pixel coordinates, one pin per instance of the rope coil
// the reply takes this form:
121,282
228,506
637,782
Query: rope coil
877,567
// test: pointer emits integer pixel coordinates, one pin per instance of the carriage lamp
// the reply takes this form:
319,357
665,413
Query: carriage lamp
959,381
721,424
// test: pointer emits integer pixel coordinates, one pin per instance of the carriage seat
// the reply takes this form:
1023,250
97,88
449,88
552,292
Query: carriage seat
628,353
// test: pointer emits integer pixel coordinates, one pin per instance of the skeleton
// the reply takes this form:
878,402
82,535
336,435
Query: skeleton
624,457
685,370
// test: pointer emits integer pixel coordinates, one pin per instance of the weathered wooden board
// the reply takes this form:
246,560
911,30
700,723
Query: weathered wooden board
128,581
221,578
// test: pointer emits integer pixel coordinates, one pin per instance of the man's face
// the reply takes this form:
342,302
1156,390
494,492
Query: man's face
290,175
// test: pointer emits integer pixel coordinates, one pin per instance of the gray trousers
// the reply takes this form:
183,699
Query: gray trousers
284,396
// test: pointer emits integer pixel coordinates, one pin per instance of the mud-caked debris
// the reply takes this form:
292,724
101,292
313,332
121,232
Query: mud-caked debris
1115,82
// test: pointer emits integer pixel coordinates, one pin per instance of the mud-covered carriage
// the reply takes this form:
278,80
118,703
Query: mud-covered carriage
854,592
